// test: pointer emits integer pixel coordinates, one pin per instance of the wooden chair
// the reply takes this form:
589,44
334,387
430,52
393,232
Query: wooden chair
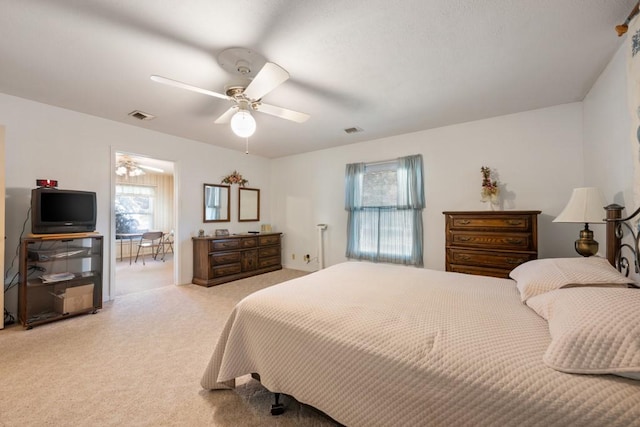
153,240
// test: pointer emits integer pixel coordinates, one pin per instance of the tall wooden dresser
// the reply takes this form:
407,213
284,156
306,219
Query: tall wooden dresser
490,243
223,259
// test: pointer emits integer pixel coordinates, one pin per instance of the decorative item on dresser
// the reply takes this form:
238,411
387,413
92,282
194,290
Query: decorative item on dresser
490,243
490,188
223,259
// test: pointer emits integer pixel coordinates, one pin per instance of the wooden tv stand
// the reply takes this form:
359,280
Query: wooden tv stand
60,277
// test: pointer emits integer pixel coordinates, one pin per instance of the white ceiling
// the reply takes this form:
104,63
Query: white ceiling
388,67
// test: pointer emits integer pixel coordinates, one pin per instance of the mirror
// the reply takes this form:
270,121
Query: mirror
248,204
217,203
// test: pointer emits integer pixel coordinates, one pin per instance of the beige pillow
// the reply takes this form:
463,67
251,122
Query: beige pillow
544,275
593,330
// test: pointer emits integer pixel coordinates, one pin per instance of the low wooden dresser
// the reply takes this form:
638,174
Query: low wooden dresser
490,243
218,260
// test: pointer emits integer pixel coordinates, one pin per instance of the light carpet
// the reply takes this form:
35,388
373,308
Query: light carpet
138,362
137,277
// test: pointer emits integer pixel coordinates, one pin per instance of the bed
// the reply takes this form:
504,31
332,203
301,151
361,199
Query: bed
382,345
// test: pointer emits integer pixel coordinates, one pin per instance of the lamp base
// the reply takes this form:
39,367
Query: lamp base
585,245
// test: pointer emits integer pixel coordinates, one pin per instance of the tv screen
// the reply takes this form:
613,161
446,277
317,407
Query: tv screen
62,211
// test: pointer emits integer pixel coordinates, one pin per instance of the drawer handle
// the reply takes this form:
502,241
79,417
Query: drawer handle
464,257
514,241
514,222
514,261
464,222
464,238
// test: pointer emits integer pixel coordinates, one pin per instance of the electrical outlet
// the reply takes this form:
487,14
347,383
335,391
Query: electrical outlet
293,256
307,258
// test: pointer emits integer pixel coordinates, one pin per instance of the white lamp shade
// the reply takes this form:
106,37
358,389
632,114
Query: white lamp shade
586,206
243,124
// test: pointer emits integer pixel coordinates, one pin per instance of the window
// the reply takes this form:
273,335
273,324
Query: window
134,208
385,202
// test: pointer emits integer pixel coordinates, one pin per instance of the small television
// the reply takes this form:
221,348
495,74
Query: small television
56,211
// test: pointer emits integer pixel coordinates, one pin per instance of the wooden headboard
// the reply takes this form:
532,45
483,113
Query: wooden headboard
622,253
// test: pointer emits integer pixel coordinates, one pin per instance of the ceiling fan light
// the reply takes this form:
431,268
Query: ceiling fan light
136,172
121,170
127,167
243,124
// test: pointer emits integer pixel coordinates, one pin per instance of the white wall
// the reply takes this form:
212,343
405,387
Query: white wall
538,155
608,152
609,141
2,215
43,141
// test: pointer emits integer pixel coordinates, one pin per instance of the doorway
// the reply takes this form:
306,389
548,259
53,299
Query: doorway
144,203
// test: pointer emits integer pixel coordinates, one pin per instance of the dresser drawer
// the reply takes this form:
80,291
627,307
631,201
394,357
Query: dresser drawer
269,251
269,240
481,271
491,240
223,245
508,260
268,262
224,258
251,242
506,222
225,270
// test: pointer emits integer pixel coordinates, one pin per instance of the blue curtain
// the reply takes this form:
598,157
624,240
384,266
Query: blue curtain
410,183
353,186
386,233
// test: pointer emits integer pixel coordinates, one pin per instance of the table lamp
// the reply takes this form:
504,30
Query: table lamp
586,205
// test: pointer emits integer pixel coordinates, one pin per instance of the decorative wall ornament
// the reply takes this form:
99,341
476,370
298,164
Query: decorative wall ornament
235,178
490,191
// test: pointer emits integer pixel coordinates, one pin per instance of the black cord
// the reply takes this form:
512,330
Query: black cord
8,317
24,225
30,270
11,283
17,254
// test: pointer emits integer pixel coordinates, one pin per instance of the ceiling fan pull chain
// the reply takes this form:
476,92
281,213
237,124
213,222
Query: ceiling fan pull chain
246,151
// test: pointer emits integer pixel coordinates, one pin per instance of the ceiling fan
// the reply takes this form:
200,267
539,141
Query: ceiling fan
266,76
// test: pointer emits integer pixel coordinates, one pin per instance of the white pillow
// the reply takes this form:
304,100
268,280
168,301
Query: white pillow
593,330
544,275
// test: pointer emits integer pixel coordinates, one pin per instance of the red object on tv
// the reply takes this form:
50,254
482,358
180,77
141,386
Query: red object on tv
46,183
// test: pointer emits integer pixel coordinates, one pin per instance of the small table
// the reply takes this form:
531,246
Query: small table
130,236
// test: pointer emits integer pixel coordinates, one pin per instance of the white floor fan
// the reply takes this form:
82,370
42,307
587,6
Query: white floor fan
266,76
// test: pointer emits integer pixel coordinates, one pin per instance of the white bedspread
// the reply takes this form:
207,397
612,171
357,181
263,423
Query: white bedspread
381,345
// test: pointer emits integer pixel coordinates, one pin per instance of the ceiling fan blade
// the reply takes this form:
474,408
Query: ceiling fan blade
181,85
226,116
283,113
268,78
151,168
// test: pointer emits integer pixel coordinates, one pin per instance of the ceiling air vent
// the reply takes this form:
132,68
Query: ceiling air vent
140,115
353,130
